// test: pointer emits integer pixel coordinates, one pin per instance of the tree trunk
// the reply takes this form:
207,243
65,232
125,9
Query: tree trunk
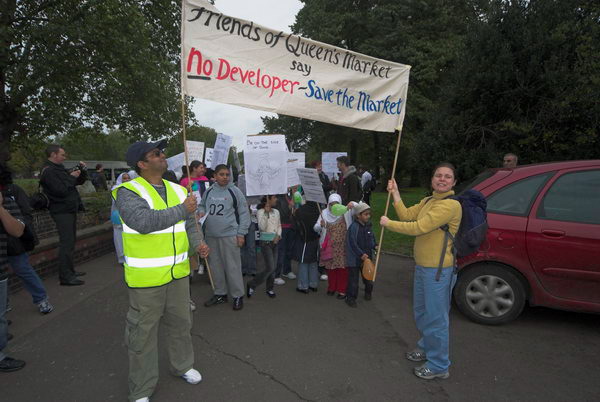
8,113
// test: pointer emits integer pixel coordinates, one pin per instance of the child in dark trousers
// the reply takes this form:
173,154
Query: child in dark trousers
360,245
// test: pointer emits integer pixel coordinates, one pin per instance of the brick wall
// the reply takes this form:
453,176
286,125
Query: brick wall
92,242
45,227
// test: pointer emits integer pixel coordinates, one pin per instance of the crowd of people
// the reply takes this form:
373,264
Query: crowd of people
166,227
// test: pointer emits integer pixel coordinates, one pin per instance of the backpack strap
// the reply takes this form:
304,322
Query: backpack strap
447,236
235,206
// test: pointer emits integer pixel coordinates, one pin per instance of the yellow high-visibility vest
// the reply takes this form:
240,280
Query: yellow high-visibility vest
156,258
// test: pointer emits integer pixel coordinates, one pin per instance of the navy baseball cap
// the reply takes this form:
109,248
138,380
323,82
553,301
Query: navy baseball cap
137,150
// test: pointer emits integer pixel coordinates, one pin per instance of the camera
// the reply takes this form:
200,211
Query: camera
77,167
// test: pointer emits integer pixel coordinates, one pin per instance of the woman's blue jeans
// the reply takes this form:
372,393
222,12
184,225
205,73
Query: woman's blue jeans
31,281
431,307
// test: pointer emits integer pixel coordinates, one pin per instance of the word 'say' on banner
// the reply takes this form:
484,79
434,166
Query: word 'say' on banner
234,61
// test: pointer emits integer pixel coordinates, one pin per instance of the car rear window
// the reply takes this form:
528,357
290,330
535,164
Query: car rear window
469,184
517,198
573,197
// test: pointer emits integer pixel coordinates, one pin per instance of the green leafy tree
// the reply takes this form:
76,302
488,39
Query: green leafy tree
203,134
100,63
527,81
424,34
87,143
297,131
27,157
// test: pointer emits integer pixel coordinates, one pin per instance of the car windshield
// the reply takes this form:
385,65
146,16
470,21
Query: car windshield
469,184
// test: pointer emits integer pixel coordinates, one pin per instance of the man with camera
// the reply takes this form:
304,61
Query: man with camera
59,185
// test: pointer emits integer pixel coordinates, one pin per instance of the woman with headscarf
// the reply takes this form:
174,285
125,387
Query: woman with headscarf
306,247
116,219
333,245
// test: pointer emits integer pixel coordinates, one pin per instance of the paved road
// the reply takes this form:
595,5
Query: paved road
299,348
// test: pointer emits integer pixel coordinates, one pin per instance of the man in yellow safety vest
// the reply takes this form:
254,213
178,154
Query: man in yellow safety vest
158,232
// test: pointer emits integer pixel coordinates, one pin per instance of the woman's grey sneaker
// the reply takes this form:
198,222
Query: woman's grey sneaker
426,374
45,307
416,355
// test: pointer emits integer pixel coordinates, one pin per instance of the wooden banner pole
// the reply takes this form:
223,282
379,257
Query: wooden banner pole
189,186
387,203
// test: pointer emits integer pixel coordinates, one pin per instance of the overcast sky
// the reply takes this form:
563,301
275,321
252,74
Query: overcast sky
234,120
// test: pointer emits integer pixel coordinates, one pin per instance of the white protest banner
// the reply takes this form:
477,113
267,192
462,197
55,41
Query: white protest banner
221,150
265,163
208,157
311,184
261,143
328,159
300,158
234,61
295,160
176,162
250,199
292,175
195,150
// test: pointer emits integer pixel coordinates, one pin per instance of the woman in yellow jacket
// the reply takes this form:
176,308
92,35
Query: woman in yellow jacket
431,297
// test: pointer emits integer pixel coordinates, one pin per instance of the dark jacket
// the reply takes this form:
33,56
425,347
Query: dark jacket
359,240
99,180
306,241
59,186
349,188
325,183
22,200
11,206
285,213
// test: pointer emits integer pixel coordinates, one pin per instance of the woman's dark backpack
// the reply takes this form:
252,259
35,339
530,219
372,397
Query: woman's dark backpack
472,230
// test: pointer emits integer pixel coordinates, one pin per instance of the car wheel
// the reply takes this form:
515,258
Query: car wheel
490,294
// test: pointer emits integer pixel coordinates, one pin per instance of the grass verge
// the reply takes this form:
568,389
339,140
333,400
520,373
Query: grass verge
392,241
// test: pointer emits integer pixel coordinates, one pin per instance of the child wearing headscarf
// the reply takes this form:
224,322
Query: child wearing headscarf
333,234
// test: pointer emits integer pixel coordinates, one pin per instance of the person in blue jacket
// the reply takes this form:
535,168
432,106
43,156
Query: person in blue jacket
360,245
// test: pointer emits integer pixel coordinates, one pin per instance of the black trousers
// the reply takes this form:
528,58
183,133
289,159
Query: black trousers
269,253
352,289
66,224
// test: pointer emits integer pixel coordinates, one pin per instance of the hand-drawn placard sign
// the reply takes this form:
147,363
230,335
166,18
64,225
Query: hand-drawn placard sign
234,61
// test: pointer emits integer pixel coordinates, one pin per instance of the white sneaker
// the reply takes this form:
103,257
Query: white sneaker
192,305
279,281
144,399
324,277
290,275
192,376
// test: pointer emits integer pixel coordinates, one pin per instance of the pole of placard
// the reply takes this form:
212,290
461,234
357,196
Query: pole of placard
189,186
398,131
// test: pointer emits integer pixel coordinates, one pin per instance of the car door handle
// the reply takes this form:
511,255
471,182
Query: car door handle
553,233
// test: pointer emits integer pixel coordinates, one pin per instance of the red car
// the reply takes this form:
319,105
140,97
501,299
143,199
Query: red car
542,245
